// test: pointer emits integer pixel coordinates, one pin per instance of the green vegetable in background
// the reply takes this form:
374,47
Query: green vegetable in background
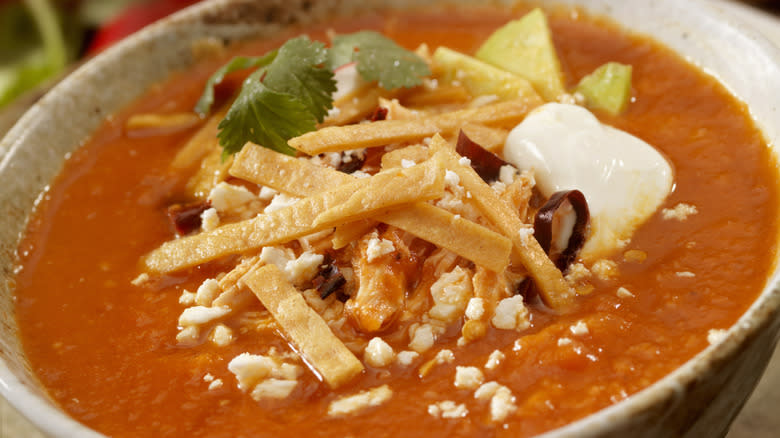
34,47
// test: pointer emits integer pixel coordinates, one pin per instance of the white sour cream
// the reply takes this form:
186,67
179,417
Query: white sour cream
623,178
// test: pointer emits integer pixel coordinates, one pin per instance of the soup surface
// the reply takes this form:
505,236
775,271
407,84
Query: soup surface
107,349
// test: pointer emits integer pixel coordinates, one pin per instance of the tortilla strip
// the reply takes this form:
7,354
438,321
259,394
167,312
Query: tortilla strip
422,182
351,232
443,94
140,125
199,144
302,178
212,171
321,350
415,153
356,105
382,132
234,295
548,278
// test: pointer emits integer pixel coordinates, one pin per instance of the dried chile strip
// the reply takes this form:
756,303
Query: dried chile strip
185,218
485,163
328,281
543,223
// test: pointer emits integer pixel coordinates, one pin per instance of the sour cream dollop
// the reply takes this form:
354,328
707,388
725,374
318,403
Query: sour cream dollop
623,178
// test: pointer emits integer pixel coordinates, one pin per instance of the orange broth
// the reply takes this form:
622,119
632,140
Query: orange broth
107,352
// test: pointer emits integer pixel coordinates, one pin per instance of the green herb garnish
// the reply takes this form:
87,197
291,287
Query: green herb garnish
293,87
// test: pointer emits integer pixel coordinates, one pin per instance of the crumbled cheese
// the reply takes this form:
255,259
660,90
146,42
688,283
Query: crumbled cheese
266,193
502,404
188,335
222,335
518,345
577,272
208,377
622,292
207,292
198,315
475,308
486,390
141,279
216,384
359,174
579,329
304,268
272,255
451,178
406,357
511,314
279,202
444,356
209,219
494,360
498,187
364,399
468,377
378,353
273,388
232,199
464,161
378,247
264,376
564,341
605,269
447,409
330,159
714,336
525,232
451,293
187,298
685,274
506,174
422,338
680,212
407,163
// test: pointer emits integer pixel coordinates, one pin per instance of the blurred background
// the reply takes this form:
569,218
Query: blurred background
42,40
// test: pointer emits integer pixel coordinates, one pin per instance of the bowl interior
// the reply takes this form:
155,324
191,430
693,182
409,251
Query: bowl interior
33,151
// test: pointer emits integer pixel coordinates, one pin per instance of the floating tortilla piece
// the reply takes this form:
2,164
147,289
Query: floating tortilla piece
440,227
200,144
351,232
525,48
379,133
212,171
480,78
607,88
413,153
422,182
552,287
321,350
142,125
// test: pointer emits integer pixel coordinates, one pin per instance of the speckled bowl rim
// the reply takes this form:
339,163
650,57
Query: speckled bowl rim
683,20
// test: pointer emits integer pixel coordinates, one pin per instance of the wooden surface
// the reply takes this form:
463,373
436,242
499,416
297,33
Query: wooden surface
760,417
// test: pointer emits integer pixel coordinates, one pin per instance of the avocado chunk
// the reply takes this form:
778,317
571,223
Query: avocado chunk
481,78
525,47
608,88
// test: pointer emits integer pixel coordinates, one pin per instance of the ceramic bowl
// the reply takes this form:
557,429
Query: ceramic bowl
698,399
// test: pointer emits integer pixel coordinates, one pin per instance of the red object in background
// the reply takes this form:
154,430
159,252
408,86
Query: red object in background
133,18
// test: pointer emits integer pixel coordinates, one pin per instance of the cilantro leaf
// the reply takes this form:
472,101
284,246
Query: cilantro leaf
379,59
238,63
299,70
264,116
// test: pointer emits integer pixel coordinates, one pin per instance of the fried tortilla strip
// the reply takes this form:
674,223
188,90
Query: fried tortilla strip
382,132
440,227
234,295
552,287
321,350
468,239
424,181
351,232
492,139
443,94
212,171
141,125
204,141
357,105
415,153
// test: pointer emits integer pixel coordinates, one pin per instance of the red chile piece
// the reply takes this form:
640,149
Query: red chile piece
185,218
328,281
355,164
543,224
485,163
380,113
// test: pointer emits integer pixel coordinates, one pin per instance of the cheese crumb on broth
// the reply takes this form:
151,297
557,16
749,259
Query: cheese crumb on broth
425,238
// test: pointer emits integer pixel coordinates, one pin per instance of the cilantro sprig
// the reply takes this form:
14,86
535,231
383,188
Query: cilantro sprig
292,88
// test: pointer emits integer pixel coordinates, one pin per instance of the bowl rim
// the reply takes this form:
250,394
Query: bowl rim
766,308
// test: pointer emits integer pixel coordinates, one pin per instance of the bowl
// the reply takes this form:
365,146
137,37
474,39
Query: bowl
700,398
